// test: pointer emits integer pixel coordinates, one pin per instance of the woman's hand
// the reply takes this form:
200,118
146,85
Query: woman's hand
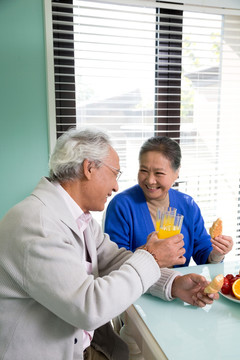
221,245
190,288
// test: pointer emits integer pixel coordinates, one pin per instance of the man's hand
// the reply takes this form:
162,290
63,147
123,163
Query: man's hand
167,252
190,288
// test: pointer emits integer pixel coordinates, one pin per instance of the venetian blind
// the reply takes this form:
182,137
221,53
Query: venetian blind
144,68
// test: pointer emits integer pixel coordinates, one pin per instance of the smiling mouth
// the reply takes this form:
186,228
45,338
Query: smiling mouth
152,188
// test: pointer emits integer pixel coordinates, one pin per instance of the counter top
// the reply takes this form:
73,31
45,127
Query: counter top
187,332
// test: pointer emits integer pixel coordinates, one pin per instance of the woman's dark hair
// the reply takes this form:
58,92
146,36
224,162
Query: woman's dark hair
166,146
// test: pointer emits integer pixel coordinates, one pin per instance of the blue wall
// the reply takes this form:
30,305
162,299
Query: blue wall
23,101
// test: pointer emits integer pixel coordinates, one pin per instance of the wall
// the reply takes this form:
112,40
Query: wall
23,103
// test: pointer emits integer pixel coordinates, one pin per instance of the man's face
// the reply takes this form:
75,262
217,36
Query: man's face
103,182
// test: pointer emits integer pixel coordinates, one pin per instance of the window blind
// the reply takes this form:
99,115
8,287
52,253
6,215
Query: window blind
143,68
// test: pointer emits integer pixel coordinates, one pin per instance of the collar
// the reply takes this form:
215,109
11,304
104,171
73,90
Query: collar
75,209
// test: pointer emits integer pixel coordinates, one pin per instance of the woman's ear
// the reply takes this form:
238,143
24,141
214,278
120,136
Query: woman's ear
177,173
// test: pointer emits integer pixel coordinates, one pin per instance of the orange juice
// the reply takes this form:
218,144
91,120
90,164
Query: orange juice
168,231
157,225
168,223
165,219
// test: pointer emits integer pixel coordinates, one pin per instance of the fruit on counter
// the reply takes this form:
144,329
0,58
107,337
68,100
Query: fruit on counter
216,228
236,288
227,288
215,285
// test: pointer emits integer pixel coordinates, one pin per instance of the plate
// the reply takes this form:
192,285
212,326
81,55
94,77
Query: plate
230,297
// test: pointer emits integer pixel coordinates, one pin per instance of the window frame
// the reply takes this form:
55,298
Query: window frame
52,95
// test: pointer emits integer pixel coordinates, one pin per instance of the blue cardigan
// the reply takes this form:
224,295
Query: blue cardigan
128,222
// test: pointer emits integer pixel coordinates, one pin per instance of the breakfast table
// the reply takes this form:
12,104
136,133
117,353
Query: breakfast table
178,331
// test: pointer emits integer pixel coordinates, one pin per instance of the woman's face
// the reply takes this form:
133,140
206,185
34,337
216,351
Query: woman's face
155,175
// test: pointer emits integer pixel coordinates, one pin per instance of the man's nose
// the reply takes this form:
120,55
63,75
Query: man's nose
116,187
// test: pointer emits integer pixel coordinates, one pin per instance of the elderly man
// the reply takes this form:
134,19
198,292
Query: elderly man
61,278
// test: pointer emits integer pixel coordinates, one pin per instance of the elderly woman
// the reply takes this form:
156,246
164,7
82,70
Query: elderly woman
131,215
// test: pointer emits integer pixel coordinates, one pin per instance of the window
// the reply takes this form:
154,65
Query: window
140,68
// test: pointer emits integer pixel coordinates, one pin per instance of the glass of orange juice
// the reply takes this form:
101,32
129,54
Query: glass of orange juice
165,217
168,223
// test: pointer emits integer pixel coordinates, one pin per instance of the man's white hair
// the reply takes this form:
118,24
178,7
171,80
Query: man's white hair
72,148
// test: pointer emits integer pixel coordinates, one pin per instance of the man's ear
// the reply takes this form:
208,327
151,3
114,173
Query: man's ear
87,168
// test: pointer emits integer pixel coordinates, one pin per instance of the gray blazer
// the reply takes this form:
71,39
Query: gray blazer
46,295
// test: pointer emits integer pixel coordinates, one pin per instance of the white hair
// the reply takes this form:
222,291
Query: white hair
72,148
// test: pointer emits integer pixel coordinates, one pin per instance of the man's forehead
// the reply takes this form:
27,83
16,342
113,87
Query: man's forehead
113,155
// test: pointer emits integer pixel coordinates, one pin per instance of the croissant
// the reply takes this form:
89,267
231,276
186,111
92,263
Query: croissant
216,228
215,285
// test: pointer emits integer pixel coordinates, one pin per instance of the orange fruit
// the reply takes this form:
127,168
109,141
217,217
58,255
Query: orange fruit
236,288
